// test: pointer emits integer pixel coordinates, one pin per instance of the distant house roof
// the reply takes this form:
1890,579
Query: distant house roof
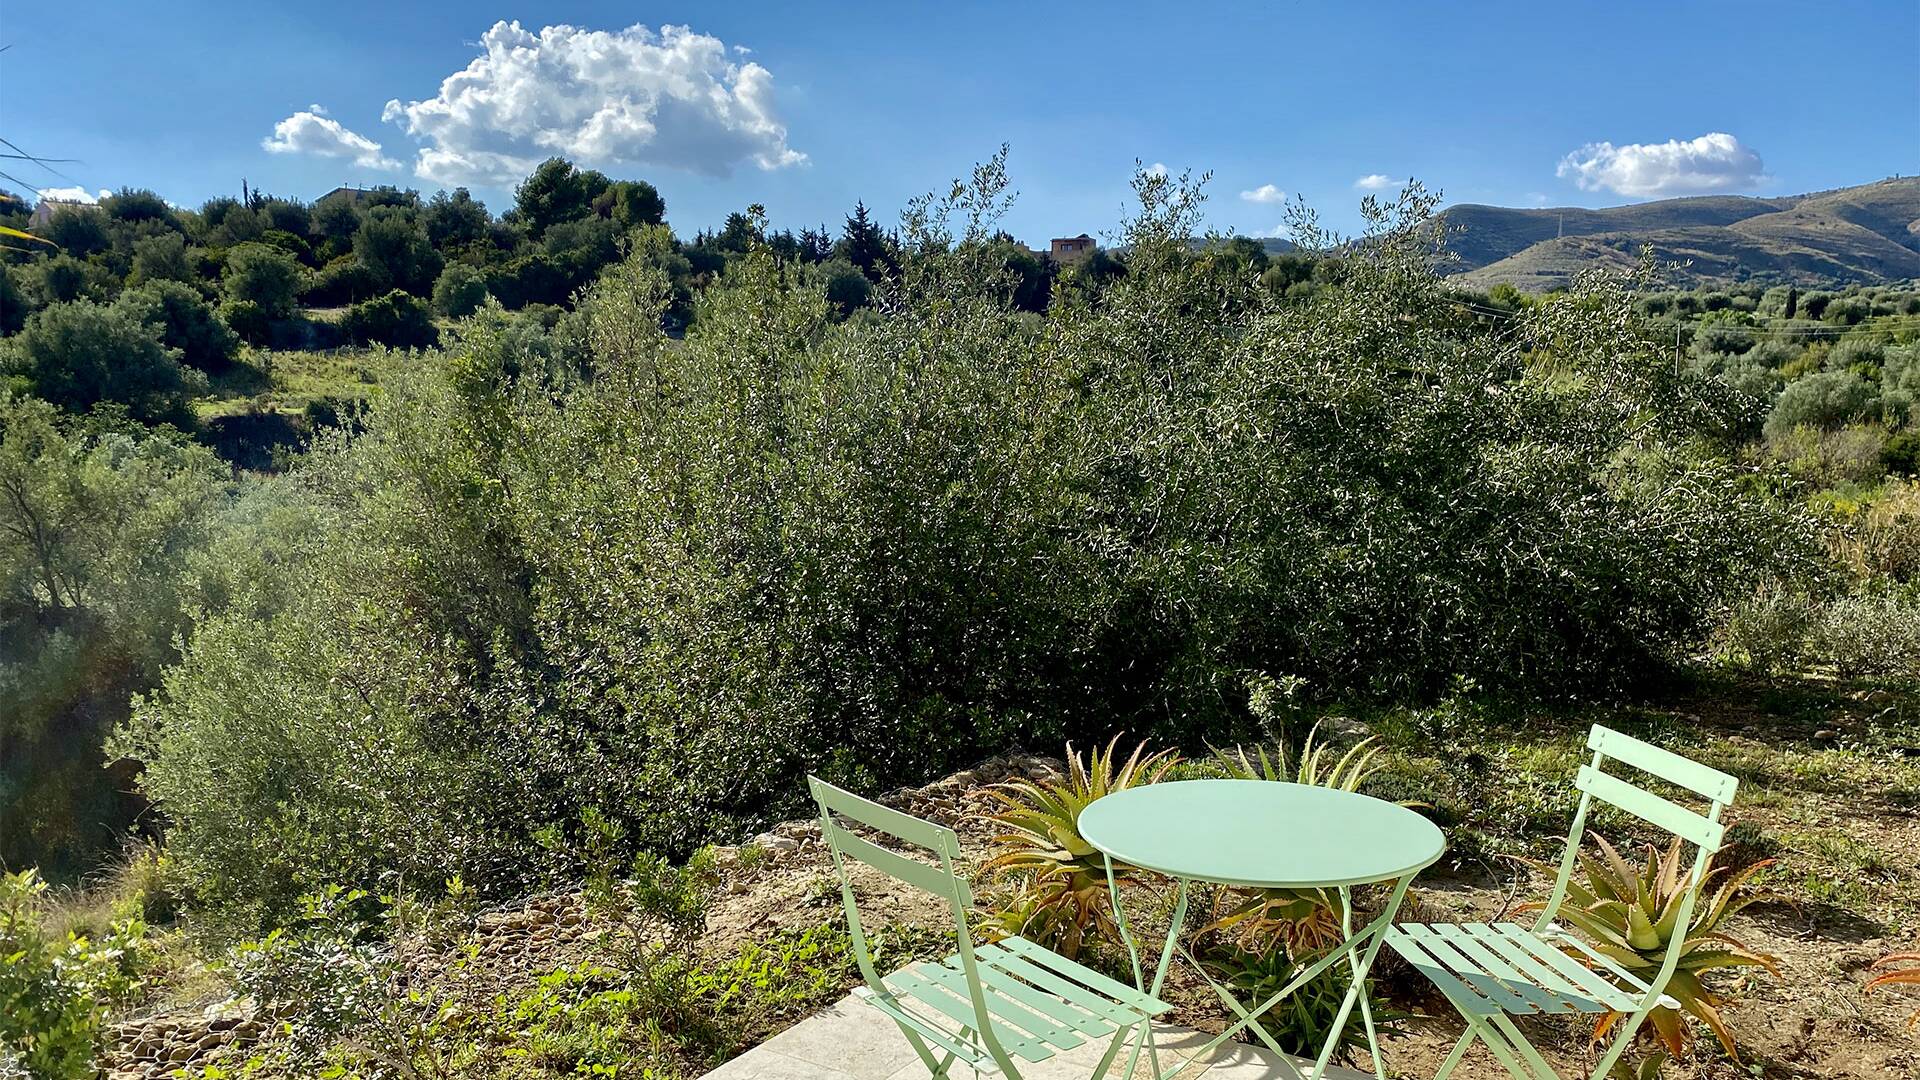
44,210
351,194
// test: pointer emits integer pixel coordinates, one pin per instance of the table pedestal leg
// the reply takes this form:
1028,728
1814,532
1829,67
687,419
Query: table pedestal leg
1373,936
1146,1035
1359,981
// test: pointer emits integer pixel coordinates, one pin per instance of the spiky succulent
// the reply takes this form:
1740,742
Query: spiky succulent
1631,913
1897,976
1308,920
1061,879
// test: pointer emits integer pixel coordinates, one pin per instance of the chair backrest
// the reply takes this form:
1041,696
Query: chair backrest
1704,831
939,880
1717,788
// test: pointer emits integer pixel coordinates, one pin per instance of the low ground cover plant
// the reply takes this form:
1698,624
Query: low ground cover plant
55,993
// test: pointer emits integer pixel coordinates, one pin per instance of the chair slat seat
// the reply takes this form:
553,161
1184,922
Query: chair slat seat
1491,970
983,1006
1041,1002
1487,968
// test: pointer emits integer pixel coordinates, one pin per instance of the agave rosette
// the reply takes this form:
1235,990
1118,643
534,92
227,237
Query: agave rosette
1065,879
1630,914
1308,920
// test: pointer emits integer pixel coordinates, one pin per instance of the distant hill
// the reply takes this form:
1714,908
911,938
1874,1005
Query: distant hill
1864,234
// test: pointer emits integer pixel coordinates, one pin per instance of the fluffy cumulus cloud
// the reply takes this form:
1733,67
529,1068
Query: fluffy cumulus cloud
1265,193
312,131
1374,182
630,97
72,194
1715,161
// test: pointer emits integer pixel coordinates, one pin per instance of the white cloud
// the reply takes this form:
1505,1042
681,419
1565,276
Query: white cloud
1158,168
1265,193
72,194
311,131
1374,182
1268,234
602,98
1715,161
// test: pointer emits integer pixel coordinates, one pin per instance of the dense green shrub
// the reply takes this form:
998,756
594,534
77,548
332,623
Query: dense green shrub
262,275
84,354
136,205
346,280
393,245
846,288
1863,357
1866,633
396,319
1722,337
1826,399
161,258
14,304
64,278
95,529
669,578
185,322
248,321
460,291
79,231
1902,453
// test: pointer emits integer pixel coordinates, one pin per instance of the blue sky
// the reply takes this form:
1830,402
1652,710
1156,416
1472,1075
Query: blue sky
807,107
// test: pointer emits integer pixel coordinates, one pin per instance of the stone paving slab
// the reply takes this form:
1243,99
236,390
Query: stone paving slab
854,1041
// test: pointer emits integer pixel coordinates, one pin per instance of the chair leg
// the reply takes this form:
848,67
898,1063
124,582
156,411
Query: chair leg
1525,1046
1620,1043
937,1066
1502,1050
1453,1058
1120,1038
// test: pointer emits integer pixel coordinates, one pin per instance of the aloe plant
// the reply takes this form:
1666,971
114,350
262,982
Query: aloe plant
1632,913
1897,976
1062,879
1307,920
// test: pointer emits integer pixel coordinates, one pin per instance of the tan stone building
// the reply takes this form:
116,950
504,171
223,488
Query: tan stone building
1069,249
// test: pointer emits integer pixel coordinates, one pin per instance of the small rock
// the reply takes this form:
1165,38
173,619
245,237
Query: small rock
1825,734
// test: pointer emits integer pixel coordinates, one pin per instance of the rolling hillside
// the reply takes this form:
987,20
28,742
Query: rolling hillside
1863,234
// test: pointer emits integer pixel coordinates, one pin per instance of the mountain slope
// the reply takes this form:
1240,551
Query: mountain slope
1869,233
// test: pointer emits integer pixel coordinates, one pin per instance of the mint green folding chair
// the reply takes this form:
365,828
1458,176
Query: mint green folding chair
1493,972
984,1005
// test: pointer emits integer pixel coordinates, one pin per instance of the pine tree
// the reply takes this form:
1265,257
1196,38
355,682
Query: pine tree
865,246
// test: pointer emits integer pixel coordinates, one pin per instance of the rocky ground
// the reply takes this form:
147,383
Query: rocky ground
1813,1023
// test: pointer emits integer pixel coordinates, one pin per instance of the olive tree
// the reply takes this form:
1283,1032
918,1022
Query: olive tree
82,354
264,276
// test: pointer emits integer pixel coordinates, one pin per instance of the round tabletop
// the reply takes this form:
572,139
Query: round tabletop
1261,833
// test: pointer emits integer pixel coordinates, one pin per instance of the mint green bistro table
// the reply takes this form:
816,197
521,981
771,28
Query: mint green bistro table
1262,834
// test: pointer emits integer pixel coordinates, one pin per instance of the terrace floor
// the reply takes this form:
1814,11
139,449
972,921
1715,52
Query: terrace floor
851,1041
